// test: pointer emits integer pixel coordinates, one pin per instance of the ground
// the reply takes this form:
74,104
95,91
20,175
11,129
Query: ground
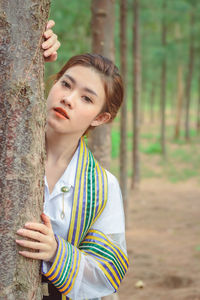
163,239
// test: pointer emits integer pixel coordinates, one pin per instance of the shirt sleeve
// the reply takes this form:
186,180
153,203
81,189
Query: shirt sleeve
96,276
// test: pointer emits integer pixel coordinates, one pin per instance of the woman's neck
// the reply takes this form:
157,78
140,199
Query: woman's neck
60,148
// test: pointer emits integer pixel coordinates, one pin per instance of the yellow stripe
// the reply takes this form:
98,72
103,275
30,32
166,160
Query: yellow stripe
108,275
100,187
70,234
59,266
99,232
107,263
71,274
109,244
55,262
104,270
69,290
105,192
110,257
86,191
78,226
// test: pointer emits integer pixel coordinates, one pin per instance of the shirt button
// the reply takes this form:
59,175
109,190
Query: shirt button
64,189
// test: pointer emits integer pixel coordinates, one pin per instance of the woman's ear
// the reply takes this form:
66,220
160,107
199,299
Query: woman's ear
101,119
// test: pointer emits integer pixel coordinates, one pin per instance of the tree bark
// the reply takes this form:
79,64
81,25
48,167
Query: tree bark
102,43
189,77
123,121
99,139
163,84
22,121
136,95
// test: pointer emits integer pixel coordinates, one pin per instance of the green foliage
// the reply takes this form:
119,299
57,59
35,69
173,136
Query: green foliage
115,137
154,148
73,29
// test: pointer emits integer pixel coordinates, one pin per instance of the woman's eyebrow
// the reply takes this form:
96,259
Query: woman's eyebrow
71,78
85,89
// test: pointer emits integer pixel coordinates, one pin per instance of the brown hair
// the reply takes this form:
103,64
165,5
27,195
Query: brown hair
112,80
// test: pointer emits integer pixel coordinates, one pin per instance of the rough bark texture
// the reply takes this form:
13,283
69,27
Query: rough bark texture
189,77
22,120
136,95
123,121
163,85
102,43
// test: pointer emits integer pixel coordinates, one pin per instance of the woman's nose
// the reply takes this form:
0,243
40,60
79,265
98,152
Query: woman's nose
68,101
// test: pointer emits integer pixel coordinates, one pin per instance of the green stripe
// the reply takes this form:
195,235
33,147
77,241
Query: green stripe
103,262
106,253
65,272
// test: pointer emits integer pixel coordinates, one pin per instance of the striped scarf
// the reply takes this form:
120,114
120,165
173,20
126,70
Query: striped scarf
89,200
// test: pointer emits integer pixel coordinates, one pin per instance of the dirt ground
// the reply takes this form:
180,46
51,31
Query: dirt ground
163,239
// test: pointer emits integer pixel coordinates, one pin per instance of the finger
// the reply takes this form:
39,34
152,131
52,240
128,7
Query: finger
33,255
35,235
46,220
51,41
51,50
37,227
50,24
48,33
31,245
51,58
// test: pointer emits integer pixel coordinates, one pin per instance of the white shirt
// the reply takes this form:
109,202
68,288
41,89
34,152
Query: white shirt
90,282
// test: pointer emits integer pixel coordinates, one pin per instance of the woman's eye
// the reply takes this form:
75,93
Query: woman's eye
66,84
87,99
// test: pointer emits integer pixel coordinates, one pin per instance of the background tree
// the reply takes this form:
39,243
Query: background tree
136,93
22,121
102,43
163,82
123,121
189,74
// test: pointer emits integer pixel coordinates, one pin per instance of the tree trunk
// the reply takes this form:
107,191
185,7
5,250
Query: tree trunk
179,101
136,95
152,101
102,43
189,77
123,121
22,121
163,84
198,109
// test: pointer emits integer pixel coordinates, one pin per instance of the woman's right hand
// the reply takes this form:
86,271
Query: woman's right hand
51,43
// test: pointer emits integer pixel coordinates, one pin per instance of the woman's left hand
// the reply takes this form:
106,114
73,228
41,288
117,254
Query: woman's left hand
43,240
51,43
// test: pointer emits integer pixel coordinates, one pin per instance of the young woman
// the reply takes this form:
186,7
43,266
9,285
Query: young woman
81,241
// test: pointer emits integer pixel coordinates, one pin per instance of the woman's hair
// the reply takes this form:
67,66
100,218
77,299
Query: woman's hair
112,80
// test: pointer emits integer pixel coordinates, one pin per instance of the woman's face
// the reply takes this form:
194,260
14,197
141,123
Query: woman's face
75,101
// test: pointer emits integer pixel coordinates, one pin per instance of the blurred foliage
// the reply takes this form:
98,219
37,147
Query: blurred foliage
73,27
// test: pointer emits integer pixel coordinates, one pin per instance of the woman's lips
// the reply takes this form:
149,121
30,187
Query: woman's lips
61,113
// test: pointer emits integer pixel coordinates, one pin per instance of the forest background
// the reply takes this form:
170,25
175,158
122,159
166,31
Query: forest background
73,26
162,229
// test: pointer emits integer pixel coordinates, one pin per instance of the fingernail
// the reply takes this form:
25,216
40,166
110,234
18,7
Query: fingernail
20,231
27,224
